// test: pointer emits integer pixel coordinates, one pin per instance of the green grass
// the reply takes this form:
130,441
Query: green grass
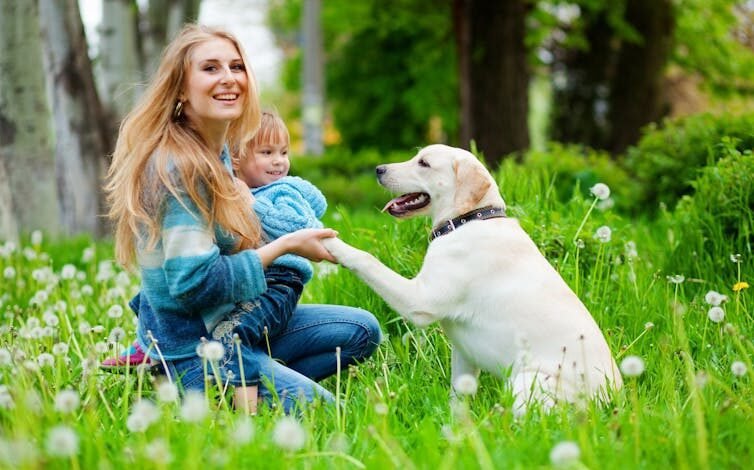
687,409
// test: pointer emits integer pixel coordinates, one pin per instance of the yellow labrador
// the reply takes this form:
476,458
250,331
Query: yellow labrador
501,304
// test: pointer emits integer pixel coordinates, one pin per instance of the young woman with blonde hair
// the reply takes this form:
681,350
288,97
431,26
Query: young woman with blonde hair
179,216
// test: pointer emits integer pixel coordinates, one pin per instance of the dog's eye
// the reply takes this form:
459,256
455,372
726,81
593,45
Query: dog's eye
423,162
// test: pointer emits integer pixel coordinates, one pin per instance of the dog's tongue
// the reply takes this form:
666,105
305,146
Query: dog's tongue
405,203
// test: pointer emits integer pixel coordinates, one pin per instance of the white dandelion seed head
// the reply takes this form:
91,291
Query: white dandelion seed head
629,249
244,431
67,401
60,349
116,335
738,368
98,329
715,298
700,379
580,244
62,441
36,237
465,384
716,314
85,328
381,408
632,366
50,319
649,325
116,311
194,407
167,392
158,451
68,271
606,204
33,401
601,191
146,411
676,279
6,399
565,453
339,442
31,366
122,279
87,255
6,358
79,310
87,290
603,234
100,347
29,254
45,360
18,453
9,272
213,351
288,434
136,423
736,258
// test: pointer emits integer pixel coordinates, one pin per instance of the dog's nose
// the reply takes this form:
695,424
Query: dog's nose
381,170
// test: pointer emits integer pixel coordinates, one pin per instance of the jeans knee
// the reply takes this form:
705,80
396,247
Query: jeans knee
369,335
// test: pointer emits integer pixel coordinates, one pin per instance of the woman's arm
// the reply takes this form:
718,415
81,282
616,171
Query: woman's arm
305,242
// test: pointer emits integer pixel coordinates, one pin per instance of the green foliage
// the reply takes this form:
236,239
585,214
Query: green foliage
718,219
667,159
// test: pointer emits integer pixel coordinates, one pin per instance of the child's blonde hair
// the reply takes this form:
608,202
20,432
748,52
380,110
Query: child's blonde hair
272,130
136,190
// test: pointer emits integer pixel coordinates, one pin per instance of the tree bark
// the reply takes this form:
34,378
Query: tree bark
164,19
494,74
28,200
81,132
120,62
636,97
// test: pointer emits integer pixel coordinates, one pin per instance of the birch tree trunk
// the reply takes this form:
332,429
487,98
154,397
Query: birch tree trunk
119,62
28,200
80,128
164,19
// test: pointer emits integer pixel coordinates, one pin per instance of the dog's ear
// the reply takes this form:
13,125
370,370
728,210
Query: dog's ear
472,183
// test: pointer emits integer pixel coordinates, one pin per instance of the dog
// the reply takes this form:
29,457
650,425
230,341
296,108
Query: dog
501,304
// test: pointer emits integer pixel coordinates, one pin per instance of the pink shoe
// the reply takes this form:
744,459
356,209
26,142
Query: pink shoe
131,357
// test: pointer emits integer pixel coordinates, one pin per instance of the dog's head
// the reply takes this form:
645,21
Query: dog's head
440,181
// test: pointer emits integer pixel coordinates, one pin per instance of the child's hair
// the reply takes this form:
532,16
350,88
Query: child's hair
136,192
272,129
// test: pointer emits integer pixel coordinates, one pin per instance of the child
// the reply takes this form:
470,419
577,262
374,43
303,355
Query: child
283,204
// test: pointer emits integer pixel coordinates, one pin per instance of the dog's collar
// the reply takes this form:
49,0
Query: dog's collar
483,213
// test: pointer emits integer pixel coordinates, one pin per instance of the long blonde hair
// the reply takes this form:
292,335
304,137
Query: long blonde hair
155,152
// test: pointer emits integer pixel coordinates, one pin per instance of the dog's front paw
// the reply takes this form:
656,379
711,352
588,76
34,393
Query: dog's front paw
337,247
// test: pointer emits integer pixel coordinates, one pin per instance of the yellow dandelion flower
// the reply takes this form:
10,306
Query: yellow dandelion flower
739,286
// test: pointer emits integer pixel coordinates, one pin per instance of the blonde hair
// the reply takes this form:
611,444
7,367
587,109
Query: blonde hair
272,129
157,151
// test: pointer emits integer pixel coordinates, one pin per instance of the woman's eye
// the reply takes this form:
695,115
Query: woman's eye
210,68
423,163
239,67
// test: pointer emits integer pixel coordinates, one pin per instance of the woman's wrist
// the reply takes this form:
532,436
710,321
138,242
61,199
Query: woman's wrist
276,248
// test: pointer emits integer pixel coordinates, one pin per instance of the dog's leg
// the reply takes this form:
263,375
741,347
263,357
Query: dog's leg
405,296
532,387
459,366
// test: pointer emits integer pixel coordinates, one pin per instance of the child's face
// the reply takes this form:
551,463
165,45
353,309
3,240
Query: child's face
267,163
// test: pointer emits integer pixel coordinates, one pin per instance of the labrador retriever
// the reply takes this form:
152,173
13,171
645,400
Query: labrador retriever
503,307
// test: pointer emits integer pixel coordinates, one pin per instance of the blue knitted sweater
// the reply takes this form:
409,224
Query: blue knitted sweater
287,205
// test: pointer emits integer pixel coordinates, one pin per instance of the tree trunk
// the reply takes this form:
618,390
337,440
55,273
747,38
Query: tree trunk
636,97
497,77
119,63
28,200
580,101
164,19
81,131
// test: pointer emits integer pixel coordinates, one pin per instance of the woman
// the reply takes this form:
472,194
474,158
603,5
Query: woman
180,216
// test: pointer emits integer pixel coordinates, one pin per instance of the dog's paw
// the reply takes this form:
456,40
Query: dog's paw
337,247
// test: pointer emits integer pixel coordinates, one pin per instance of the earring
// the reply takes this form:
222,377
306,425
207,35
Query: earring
178,111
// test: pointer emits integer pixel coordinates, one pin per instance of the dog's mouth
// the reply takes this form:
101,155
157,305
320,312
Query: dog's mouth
404,205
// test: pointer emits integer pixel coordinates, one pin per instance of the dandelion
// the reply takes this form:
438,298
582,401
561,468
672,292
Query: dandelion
98,329
79,310
167,392
601,191
565,453
50,319
194,407
714,298
649,325
716,314
244,431
212,351
381,409
465,384
143,414
676,279
85,328
67,401
116,311
62,441
603,234
736,258
100,347
700,379
629,249
632,366
738,368
9,272
158,451
6,358
580,244
60,349
288,434
36,237
606,204
87,255
87,290
739,286
68,271
447,433
45,360
31,366
6,399
116,335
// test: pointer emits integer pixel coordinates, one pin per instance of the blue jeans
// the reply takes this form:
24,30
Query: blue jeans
302,354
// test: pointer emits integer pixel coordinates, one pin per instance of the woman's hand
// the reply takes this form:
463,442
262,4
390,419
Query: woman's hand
305,242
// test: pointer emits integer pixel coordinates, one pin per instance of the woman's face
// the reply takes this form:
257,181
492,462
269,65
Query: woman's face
216,84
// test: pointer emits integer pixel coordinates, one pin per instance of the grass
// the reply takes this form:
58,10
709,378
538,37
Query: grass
686,410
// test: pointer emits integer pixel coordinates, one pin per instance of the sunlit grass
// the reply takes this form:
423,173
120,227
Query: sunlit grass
64,308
